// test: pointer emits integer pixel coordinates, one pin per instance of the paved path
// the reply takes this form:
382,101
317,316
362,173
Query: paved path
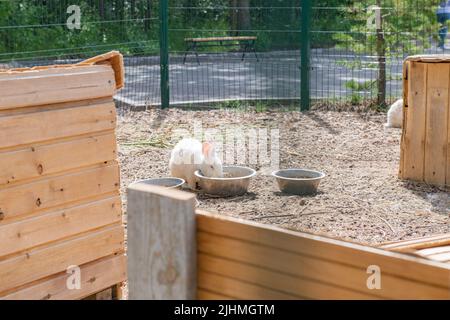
225,77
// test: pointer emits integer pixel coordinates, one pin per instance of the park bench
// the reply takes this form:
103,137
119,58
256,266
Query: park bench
247,43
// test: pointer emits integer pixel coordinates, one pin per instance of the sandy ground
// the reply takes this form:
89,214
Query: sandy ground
361,199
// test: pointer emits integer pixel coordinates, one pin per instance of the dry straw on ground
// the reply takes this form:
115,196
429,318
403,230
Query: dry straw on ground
360,200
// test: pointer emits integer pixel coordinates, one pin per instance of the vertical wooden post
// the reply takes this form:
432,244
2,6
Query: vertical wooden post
161,244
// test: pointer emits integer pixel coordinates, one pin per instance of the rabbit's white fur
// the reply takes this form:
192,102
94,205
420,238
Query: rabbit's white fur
395,115
190,155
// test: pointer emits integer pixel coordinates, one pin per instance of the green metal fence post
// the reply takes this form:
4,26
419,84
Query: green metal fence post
164,52
305,48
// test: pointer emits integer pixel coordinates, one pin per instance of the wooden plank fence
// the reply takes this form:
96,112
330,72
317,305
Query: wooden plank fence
59,182
235,259
425,149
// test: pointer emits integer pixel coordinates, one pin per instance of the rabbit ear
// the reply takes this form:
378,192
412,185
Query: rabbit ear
208,149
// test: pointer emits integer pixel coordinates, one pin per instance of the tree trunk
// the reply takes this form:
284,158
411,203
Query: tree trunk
148,15
240,18
133,9
381,53
233,17
120,15
101,8
244,21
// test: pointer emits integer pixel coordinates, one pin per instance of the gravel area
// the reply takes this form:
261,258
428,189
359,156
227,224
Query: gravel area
360,200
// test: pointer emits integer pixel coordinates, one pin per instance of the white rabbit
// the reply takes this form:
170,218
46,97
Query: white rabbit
190,155
395,115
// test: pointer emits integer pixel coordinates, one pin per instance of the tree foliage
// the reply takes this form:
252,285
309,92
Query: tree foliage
37,28
398,29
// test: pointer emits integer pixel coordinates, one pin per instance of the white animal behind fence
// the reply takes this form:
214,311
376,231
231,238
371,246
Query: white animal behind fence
395,115
190,155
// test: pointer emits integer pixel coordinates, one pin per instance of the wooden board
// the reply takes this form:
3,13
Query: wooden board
352,280
447,180
442,257
44,261
417,244
161,243
239,289
59,179
114,60
414,132
433,251
25,199
44,159
326,261
436,123
238,259
436,248
60,224
40,87
51,124
425,150
261,275
207,295
95,276
405,116
215,39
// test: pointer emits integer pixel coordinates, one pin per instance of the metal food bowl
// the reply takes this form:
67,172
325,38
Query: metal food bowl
299,181
170,183
235,182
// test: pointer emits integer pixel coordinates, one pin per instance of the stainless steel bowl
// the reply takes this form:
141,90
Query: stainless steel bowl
235,182
170,183
299,181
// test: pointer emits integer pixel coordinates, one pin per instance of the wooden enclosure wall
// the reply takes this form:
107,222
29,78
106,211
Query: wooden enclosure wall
426,133
237,259
241,260
435,248
161,244
59,183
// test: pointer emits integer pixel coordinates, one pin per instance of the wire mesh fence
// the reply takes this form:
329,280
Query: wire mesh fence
45,32
226,50
234,50
358,48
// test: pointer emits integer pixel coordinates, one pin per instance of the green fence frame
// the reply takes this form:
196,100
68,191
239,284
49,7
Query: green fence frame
305,49
305,39
164,53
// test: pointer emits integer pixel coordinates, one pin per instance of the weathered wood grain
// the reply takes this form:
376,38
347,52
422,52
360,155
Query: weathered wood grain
438,85
48,260
261,275
161,243
59,179
40,160
95,276
55,225
240,289
40,87
51,124
207,295
414,132
330,261
25,199
327,271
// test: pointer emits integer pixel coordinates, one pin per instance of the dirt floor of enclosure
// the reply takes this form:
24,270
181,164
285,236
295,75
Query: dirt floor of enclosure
360,200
